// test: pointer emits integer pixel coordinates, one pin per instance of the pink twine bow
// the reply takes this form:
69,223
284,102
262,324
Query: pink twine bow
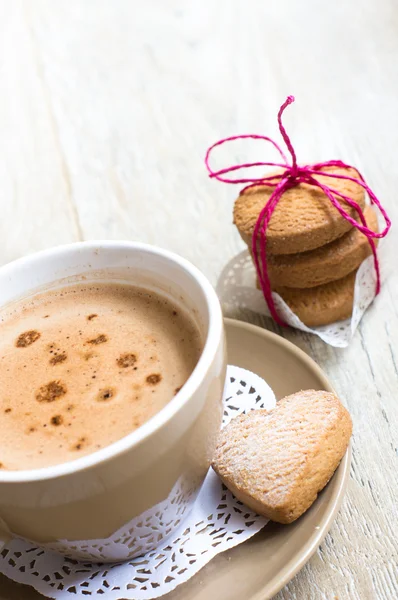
291,176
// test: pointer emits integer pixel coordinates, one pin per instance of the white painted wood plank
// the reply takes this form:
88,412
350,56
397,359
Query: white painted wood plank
36,207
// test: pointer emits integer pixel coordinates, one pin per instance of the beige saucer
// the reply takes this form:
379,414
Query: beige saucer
258,569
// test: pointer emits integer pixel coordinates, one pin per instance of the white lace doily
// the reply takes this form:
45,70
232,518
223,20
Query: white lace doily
217,522
237,289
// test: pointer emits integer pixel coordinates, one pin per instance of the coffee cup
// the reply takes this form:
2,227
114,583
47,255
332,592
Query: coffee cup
126,498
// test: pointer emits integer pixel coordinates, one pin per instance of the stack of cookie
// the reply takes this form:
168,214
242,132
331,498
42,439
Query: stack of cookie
313,253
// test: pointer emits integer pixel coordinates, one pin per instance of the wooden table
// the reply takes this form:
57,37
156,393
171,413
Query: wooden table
106,109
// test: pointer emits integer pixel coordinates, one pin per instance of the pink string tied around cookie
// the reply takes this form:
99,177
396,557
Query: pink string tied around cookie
291,176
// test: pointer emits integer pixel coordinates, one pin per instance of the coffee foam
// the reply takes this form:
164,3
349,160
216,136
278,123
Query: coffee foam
83,366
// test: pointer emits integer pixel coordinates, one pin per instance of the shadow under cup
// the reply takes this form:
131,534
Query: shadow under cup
125,499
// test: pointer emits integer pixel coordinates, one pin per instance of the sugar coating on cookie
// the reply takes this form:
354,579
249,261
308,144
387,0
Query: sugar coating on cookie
277,461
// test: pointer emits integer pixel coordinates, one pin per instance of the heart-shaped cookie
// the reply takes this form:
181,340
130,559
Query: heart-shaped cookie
277,461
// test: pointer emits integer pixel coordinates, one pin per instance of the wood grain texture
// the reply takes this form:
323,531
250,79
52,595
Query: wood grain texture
106,109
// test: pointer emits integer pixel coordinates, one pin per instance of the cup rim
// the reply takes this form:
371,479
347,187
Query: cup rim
143,432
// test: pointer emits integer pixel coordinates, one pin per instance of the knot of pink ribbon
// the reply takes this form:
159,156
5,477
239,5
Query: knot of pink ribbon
291,176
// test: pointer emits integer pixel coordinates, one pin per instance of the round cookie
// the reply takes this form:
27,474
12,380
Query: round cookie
323,304
322,265
304,218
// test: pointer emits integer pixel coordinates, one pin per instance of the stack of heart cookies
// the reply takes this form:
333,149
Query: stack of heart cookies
313,253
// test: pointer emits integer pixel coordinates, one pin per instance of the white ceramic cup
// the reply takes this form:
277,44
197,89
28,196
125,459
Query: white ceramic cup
125,499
